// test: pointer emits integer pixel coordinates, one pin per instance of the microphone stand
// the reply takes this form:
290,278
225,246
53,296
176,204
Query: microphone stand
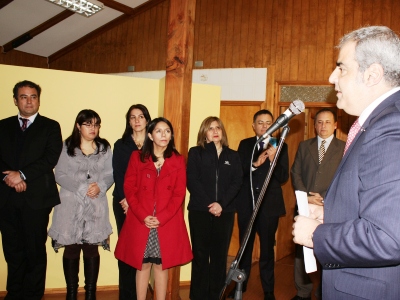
234,273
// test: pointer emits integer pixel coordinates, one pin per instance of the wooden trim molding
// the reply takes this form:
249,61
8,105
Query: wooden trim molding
240,103
118,6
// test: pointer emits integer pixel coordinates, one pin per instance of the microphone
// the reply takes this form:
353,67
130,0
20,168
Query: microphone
295,108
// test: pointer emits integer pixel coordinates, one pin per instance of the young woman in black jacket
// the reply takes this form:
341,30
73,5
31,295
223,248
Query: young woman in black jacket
214,177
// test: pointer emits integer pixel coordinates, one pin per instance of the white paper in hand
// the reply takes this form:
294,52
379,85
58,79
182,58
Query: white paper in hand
309,259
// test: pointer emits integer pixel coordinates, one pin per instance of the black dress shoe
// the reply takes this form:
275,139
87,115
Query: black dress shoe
301,298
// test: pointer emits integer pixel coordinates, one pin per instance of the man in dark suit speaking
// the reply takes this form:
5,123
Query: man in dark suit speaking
356,234
314,166
30,145
273,206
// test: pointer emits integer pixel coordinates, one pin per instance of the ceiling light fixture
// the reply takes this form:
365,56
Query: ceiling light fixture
82,7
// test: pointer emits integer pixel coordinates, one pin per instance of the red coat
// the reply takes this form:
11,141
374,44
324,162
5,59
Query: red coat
144,189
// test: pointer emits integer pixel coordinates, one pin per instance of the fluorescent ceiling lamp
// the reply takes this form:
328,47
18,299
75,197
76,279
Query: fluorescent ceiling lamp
82,7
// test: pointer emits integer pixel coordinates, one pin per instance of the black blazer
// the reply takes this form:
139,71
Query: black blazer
273,203
123,149
38,157
202,170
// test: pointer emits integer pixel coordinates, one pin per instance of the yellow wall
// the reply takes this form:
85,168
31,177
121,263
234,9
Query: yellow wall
64,94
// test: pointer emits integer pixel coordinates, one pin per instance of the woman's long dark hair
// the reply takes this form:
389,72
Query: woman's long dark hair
148,148
128,128
74,140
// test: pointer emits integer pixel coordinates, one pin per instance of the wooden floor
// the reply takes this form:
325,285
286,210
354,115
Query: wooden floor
284,285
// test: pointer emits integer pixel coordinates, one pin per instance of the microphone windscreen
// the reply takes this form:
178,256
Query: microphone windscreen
297,106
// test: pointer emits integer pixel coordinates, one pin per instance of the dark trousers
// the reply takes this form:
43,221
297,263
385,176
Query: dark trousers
266,227
302,280
210,237
127,274
24,235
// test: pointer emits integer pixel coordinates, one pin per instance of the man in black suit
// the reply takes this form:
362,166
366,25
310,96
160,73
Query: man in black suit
266,222
314,166
30,145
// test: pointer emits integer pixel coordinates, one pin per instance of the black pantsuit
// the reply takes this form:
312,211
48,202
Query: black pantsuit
127,274
123,149
210,243
211,178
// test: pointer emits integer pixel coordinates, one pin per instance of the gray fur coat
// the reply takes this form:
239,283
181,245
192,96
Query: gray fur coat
80,218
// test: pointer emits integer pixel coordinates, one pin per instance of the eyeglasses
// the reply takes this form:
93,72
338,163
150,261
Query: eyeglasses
90,125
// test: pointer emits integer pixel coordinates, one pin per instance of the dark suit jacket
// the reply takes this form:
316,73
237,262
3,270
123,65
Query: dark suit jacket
359,243
273,204
310,176
38,157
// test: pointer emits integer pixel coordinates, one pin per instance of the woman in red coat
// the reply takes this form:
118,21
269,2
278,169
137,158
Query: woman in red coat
154,232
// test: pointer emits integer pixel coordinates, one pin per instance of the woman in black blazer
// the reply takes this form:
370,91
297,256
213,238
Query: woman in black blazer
214,177
137,120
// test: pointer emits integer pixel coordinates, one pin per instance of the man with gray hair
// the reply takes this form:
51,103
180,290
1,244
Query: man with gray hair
356,234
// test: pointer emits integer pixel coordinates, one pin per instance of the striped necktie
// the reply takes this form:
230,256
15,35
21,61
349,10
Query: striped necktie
24,123
321,151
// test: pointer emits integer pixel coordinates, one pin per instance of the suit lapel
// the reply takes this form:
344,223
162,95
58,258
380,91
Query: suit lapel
33,132
12,131
250,147
314,150
332,150
370,120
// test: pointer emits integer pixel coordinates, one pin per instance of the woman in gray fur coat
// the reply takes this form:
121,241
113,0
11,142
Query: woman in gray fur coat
81,221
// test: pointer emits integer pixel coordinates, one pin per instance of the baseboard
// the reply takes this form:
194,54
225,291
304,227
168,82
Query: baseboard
104,288
184,284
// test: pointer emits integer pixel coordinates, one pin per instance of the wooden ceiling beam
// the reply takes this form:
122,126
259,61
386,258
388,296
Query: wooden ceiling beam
22,39
136,11
4,3
118,6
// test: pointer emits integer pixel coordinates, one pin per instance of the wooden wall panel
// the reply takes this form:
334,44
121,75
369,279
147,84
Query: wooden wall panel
330,42
139,41
18,58
287,38
236,36
225,7
266,41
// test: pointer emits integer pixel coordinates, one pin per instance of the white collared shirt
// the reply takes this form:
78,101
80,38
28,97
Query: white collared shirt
327,141
31,119
370,108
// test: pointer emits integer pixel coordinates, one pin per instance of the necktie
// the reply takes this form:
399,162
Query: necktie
354,129
261,149
24,123
321,151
